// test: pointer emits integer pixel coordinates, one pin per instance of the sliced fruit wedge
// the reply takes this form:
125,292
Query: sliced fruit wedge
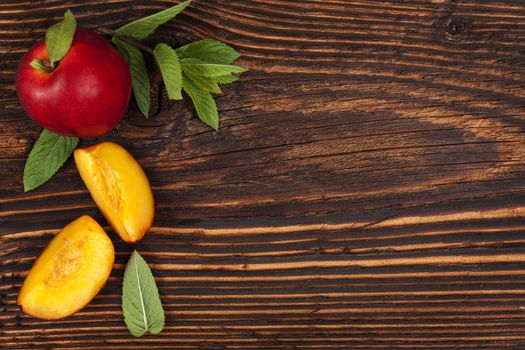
119,187
70,271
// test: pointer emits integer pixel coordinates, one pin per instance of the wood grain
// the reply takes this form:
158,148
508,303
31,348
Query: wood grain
365,190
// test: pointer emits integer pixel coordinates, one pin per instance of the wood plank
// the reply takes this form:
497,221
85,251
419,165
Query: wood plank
365,189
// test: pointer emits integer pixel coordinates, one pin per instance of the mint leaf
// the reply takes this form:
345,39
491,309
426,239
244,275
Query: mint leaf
141,28
208,50
139,74
47,156
225,79
203,102
59,37
170,70
207,84
199,67
141,303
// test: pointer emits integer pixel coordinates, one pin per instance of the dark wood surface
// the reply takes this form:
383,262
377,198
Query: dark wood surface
365,191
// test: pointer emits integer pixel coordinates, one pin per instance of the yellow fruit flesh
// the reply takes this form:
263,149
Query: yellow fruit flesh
119,187
70,271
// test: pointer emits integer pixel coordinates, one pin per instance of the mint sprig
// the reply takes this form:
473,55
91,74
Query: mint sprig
49,153
203,102
142,28
206,84
169,66
139,74
208,50
59,37
58,41
198,68
209,70
141,303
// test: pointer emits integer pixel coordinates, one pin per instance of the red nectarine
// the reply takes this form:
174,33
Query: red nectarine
85,95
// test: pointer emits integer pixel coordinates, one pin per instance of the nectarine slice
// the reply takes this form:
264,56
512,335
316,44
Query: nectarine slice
119,187
70,271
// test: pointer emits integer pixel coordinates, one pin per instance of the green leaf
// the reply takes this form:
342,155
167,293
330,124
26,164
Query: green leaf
141,28
170,70
203,102
141,303
207,84
59,37
208,50
199,67
47,156
139,74
226,79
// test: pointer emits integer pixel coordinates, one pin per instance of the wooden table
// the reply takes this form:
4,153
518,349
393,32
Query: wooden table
365,190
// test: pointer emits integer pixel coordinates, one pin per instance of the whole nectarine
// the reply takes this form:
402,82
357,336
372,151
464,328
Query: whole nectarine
85,95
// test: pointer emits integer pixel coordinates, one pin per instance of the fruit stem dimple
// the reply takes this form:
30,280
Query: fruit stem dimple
44,65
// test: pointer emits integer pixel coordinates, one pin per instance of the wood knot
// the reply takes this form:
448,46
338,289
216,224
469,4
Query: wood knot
454,27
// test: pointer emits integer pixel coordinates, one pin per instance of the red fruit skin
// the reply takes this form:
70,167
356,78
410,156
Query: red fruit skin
85,96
